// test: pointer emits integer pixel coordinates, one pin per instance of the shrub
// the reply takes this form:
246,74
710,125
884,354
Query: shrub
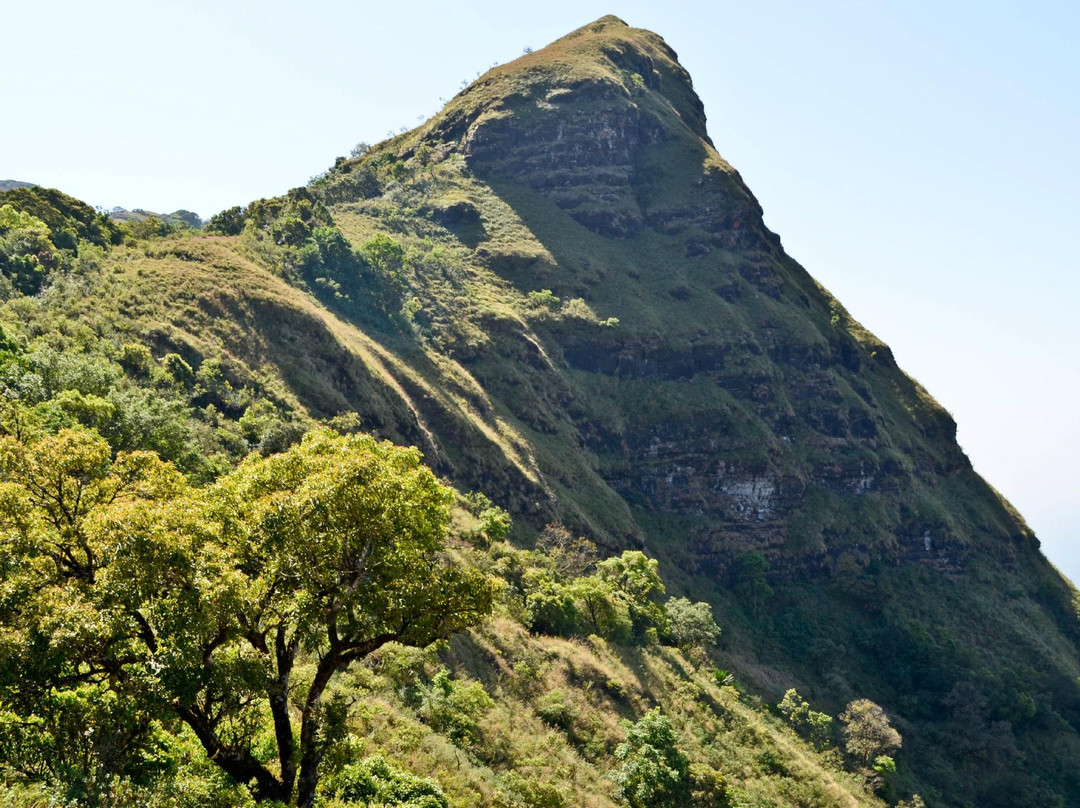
454,708
636,578
492,522
708,788
818,726
553,708
576,308
375,781
136,359
178,370
601,607
543,299
228,223
532,793
26,251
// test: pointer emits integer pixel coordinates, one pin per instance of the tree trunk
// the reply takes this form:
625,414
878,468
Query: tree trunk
241,766
279,708
310,749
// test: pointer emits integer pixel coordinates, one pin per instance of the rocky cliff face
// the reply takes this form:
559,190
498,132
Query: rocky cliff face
735,407
793,402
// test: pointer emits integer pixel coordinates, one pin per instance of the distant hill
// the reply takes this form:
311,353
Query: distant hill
178,218
9,185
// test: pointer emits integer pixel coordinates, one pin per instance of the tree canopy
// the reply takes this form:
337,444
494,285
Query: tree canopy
194,605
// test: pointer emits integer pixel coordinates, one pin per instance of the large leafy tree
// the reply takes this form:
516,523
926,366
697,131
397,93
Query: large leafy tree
654,773
867,731
226,608
26,252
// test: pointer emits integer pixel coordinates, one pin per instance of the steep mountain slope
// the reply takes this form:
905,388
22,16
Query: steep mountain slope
734,408
561,292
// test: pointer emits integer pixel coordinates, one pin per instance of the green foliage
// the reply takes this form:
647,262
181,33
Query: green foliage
637,578
383,254
751,578
654,772
136,359
554,709
810,723
27,254
229,222
620,601
884,765
68,220
691,625
150,227
423,155
576,308
543,299
867,731
195,604
178,370
374,781
454,708
550,607
752,373
351,181
602,608
492,522
708,788
534,792
267,429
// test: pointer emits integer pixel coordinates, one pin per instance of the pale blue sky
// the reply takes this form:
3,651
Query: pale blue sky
919,158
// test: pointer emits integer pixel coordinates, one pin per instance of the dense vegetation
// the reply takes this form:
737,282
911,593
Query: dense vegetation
201,608
561,294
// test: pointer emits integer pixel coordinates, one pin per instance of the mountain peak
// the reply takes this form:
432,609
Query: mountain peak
605,57
605,23
604,122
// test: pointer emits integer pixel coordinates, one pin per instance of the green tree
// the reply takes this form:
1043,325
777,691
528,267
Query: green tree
228,222
550,605
384,254
751,578
198,604
818,726
691,625
867,731
654,773
27,254
572,557
637,578
601,608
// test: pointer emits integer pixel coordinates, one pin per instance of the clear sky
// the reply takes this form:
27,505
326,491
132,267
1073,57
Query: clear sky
919,158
